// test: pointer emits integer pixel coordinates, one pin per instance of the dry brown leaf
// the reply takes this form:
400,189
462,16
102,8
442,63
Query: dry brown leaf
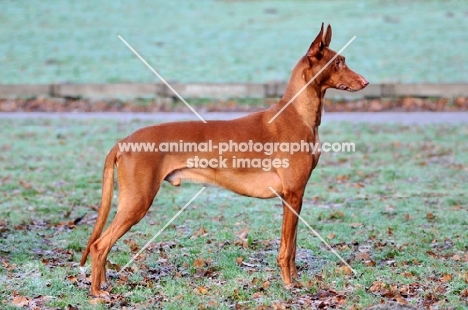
465,277
97,301
336,215
363,256
400,299
239,260
199,263
134,268
257,295
331,236
242,235
441,289
203,290
344,270
464,293
430,216
200,233
342,178
72,279
446,278
134,247
389,231
378,286
21,301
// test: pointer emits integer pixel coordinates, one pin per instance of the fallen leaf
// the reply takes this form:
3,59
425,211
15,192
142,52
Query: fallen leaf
72,279
464,294
430,216
408,274
389,231
441,289
134,247
202,232
344,270
25,184
370,263
97,301
202,290
363,256
21,301
336,215
199,262
446,278
378,286
257,295
342,178
400,299
242,235
239,260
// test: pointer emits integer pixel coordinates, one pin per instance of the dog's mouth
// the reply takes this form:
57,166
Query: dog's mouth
346,87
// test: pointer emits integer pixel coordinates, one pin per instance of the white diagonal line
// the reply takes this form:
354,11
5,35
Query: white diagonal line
163,80
312,79
313,230
162,229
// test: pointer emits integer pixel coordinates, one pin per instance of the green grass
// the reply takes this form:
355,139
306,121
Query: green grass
400,198
228,41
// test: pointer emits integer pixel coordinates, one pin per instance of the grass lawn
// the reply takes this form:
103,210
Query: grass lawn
396,210
228,41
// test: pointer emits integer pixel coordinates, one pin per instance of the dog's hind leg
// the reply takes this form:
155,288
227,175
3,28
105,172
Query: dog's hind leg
135,198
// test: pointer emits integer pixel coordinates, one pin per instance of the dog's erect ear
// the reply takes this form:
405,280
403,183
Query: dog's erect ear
327,37
317,45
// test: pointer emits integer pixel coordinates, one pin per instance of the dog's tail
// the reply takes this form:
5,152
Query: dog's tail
106,200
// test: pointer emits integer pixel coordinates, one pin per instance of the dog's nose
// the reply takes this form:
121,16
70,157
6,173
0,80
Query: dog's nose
364,82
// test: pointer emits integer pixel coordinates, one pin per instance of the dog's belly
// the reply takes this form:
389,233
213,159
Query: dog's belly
249,183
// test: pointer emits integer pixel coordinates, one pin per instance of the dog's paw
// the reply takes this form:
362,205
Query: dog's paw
100,293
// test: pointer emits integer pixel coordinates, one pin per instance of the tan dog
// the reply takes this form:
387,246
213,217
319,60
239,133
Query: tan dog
140,173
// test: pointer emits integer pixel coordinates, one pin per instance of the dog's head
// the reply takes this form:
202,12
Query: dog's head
327,68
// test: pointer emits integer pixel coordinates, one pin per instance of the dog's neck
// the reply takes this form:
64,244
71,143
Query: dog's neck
308,104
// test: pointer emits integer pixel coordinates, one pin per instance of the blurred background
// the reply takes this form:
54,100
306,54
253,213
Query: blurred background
228,41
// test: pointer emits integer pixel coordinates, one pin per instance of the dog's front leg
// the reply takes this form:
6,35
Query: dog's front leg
287,251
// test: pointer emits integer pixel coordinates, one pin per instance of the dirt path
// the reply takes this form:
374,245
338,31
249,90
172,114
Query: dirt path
366,117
